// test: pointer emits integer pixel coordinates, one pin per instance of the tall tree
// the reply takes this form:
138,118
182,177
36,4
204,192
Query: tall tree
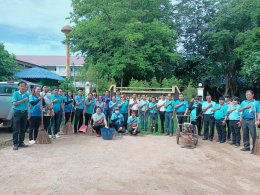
8,64
125,39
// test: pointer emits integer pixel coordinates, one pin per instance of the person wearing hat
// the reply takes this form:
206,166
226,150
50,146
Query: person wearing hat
208,118
195,109
220,111
117,121
235,119
250,109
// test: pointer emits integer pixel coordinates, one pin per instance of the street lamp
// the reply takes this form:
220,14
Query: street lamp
66,30
200,90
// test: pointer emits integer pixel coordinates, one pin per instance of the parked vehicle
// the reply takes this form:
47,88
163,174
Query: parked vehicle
6,91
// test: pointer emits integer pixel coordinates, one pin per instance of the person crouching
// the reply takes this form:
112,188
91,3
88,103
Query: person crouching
99,121
117,121
133,122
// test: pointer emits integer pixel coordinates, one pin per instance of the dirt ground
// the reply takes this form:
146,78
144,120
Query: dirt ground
81,164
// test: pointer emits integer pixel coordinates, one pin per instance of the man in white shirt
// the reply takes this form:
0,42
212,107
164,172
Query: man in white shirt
161,108
133,104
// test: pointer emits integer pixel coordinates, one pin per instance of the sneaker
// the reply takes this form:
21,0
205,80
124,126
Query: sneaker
50,136
15,147
204,138
31,142
237,145
245,149
57,136
22,145
171,135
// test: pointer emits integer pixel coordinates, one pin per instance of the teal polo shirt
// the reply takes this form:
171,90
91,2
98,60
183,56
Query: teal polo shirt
220,114
118,121
234,115
131,119
183,107
124,108
17,96
206,104
36,109
142,102
68,107
170,107
90,108
193,113
249,113
112,109
57,105
153,110
79,98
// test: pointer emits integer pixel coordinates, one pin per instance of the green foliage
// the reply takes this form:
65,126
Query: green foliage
190,92
154,83
67,85
168,83
8,64
125,39
139,84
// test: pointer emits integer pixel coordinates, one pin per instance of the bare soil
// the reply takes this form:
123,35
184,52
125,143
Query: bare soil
81,164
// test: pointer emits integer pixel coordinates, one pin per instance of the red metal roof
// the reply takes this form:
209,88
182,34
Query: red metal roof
50,60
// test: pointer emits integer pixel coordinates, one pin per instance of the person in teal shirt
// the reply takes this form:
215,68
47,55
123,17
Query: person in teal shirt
112,104
220,111
69,106
169,109
234,117
153,112
20,114
117,121
181,109
196,113
35,114
123,109
133,122
250,109
58,107
90,105
209,120
79,105
143,106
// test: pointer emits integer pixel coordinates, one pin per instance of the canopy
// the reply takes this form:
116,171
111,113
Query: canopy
38,73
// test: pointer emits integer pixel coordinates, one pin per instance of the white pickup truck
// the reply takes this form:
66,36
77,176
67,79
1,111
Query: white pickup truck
6,91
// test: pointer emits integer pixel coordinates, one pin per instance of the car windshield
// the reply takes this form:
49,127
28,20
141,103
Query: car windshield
6,89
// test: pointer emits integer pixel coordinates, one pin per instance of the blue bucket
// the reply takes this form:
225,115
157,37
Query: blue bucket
107,133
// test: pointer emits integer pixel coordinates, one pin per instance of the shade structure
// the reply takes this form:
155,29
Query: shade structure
38,73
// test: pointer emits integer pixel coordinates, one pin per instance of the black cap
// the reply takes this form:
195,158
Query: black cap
222,98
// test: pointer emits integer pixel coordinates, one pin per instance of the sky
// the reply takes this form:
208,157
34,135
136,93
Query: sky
33,27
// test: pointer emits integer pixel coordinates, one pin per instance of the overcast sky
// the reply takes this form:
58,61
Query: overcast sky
32,27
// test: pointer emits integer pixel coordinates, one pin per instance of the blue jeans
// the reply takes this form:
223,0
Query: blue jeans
168,122
154,116
144,120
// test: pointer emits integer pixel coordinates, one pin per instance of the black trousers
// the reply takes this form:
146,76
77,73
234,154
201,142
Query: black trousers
47,123
162,119
88,118
228,130
221,130
107,114
97,128
35,122
56,122
181,119
131,130
209,123
248,126
67,116
19,126
236,135
78,119
199,124
125,120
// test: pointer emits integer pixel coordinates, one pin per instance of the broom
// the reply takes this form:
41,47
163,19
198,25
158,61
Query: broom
43,137
68,126
256,145
90,130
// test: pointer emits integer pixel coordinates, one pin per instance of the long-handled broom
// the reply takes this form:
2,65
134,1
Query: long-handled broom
68,125
90,130
43,137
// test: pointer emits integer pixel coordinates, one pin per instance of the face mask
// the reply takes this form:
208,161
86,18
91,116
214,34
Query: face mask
117,112
48,94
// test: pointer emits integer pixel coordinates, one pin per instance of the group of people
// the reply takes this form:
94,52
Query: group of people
132,115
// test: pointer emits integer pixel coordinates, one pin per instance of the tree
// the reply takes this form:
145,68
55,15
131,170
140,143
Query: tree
8,64
125,39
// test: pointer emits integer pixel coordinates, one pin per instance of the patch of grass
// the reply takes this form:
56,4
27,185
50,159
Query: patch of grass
6,144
